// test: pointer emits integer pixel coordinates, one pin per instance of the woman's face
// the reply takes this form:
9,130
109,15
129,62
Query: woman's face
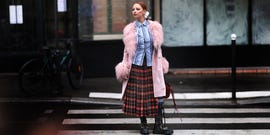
138,12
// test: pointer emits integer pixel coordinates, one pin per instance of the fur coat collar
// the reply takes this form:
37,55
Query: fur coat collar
130,34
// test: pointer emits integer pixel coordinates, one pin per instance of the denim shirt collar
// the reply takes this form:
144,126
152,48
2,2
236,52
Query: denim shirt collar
138,24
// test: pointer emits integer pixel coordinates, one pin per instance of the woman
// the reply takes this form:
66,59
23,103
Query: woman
142,70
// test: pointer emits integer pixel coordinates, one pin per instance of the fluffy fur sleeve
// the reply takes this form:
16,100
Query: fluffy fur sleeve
157,31
122,71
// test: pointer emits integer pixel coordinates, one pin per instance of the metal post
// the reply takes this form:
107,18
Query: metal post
233,68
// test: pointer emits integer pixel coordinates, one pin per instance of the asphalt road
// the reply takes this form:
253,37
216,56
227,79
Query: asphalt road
98,119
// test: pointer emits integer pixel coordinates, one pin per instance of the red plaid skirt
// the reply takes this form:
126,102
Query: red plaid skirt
138,99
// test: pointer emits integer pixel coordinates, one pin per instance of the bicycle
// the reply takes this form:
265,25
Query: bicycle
39,76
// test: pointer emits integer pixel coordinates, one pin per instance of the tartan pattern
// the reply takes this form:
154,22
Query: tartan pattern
139,97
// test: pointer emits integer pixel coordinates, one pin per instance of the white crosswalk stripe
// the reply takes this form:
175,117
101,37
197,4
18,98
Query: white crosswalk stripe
176,132
205,95
182,110
191,121
168,120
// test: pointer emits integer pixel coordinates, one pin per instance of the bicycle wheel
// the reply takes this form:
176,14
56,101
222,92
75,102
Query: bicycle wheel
34,79
75,73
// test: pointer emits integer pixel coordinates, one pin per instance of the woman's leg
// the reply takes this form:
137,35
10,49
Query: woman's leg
159,127
144,126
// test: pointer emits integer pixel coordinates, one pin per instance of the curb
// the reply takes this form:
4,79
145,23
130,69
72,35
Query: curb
35,100
225,70
168,102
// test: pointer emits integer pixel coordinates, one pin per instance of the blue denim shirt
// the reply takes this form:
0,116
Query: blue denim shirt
144,44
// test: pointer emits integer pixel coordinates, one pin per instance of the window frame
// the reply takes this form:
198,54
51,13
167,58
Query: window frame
110,35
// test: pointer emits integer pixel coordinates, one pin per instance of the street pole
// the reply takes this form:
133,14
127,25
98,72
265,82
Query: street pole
233,66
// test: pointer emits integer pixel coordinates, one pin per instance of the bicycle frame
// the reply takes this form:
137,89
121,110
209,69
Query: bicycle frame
40,74
55,61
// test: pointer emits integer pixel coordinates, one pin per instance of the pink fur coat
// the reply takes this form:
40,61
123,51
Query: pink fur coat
159,64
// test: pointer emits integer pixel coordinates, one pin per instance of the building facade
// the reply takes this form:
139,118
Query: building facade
196,32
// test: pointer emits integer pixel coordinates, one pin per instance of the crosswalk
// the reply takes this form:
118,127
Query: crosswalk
247,120
204,95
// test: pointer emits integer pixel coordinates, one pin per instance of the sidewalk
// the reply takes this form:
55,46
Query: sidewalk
185,86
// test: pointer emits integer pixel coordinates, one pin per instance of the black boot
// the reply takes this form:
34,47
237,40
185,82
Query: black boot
144,127
159,127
